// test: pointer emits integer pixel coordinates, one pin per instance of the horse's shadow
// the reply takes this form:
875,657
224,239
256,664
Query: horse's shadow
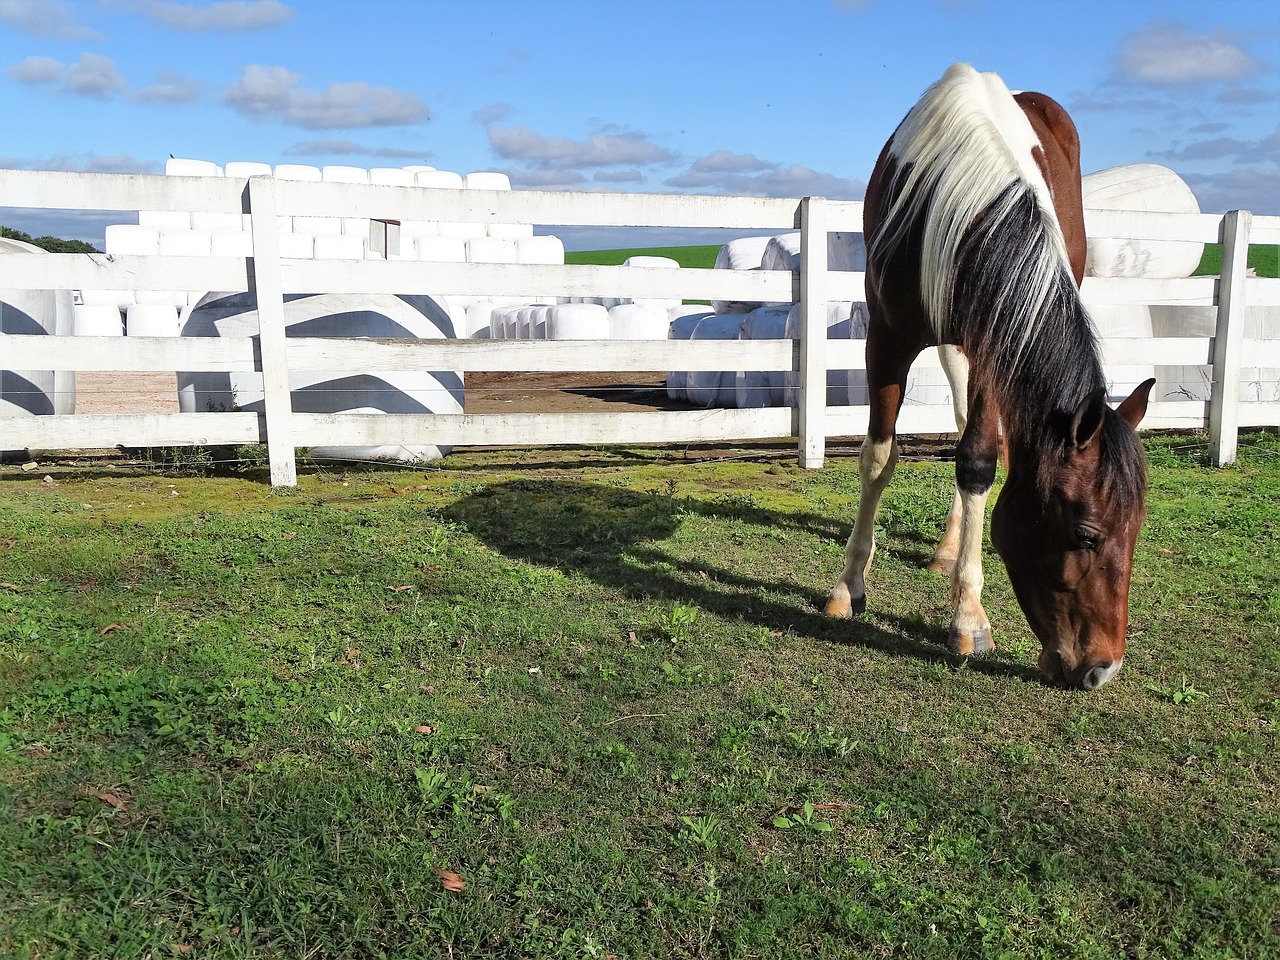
617,538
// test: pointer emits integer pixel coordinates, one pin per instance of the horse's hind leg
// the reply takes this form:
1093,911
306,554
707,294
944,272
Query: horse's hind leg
956,367
887,382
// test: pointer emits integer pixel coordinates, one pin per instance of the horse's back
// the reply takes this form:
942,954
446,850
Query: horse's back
1059,161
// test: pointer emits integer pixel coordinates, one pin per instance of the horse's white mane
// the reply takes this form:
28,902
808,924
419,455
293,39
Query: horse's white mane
960,148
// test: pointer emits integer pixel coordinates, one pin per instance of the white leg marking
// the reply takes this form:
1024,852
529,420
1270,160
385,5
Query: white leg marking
956,366
970,629
875,469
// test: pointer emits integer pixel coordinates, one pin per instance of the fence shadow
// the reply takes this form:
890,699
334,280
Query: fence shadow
617,538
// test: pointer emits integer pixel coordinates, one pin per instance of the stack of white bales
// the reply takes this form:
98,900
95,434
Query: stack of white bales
733,320
35,313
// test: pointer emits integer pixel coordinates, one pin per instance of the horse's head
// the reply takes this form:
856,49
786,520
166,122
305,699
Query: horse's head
1066,532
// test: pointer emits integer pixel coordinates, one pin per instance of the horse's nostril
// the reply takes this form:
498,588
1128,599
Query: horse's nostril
1100,674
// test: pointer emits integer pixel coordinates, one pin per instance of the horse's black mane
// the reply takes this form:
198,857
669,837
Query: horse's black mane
1039,365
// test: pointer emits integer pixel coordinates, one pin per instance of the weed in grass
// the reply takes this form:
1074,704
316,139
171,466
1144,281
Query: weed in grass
1184,693
804,819
700,831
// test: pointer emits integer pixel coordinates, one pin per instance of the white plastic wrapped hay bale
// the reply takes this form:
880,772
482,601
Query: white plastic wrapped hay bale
212,220
845,251
340,173
486,180
35,313
714,388
297,171
762,388
132,239
540,249
340,247
442,249
331,315
438,178
243,169
741,254
578,321
1123,320
509,231
1140,186
318,226
98,320
842,385
151,320
184,167
297,246
478,314
186,243
652,263
684,320
164,220
231,243
391,176
491,250
638,321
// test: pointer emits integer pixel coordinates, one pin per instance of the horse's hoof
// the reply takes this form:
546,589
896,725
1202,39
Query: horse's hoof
972,644
844,608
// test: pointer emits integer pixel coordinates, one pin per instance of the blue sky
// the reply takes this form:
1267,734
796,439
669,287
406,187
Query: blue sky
749,97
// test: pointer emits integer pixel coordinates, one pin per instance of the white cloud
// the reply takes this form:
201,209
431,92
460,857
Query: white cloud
1167,53
1245,188
273,93
44,18
92,75
601,149
713,173
169,88
225,16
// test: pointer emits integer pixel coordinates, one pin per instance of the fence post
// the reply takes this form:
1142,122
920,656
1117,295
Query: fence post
268,290
1224,400
812,393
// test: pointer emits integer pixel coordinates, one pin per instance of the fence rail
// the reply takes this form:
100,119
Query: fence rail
270,277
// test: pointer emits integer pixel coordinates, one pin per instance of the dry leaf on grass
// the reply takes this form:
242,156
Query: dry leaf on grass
452,882
401,589
111,628
112,799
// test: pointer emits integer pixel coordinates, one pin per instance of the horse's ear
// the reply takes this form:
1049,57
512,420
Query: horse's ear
1134,407
1087,420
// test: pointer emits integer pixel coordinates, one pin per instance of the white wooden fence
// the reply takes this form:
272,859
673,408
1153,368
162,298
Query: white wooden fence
270,277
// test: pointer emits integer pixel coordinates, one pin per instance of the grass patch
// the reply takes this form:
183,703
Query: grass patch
1263,258
700,257
582,704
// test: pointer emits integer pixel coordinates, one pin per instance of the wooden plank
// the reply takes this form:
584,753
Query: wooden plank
1188,291
1151,225
119,191
1224,415
213,354
812,379
540,355
541,429
96,431
276,399
100,271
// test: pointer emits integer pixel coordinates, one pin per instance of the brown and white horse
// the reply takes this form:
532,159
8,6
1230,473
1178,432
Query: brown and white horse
975,237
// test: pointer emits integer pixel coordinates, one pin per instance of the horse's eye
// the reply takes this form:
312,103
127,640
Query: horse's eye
1087,539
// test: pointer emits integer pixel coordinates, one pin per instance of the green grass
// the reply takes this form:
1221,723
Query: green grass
594,684
703,257
1265,259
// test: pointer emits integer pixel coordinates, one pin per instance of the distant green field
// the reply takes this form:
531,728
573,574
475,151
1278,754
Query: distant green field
1264,259
700,257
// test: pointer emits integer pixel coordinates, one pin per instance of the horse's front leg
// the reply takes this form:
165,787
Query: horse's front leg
875,470
976,457
887,377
